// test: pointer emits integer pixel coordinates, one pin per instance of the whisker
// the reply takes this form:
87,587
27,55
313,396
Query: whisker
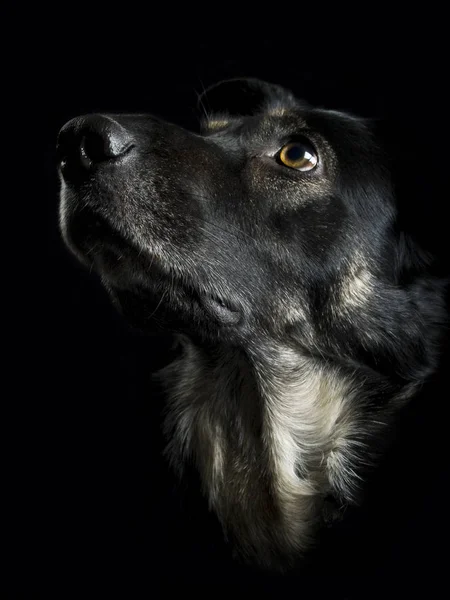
93,248
163,295
200,101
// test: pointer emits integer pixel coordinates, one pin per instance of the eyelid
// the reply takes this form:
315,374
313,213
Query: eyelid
299,139
276,149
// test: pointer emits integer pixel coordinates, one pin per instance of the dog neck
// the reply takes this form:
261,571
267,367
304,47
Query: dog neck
270,435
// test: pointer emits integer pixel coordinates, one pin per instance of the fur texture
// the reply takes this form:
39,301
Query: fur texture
307,317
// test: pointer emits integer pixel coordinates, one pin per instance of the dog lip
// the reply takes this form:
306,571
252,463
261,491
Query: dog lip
221,310
88,228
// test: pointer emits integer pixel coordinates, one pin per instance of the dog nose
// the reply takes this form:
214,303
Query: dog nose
86,141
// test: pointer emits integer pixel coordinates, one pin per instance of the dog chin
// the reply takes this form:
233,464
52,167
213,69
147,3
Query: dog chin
149,301
145,285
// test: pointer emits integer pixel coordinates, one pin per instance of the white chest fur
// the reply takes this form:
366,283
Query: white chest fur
269,438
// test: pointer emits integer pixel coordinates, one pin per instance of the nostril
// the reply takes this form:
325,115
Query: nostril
87,141
103,139
96,147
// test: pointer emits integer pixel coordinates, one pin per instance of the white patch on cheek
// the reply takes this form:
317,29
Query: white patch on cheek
295,314
356,288
291,306
217,124
278,112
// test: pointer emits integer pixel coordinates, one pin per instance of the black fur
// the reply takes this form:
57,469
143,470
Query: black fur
276,280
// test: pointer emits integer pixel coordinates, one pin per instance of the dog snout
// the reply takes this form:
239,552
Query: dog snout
87,141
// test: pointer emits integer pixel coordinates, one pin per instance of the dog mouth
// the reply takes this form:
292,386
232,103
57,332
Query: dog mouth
90,236
221,310
126,268
181,298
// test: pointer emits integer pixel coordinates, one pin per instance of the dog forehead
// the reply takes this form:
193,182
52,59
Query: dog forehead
275,120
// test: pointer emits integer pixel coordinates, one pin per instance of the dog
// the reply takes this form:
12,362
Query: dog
269,243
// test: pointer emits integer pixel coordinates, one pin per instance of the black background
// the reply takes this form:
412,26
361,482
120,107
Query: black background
105,512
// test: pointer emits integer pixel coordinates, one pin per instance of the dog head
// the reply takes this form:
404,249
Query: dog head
277,220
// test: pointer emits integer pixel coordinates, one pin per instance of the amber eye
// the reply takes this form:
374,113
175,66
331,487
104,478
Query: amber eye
298,155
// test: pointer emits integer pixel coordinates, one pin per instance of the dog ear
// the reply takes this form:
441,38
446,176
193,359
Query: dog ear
244,97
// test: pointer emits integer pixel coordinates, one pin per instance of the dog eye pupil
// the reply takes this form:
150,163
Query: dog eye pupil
298,155
295,153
